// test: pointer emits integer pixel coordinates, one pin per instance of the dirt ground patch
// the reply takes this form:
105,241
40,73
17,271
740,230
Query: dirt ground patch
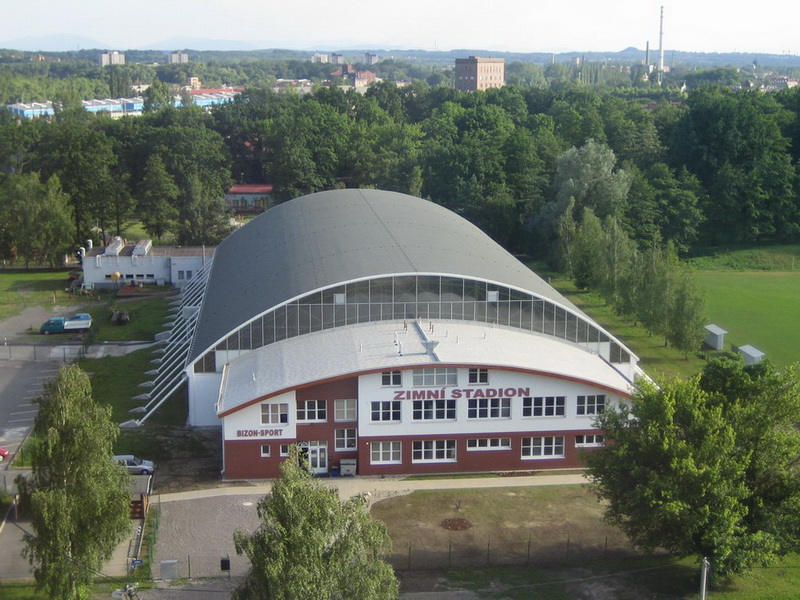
508,526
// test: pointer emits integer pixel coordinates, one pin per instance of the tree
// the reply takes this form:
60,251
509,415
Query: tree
706,466
159,195
312,545
36,219
204,218
78,497
686,315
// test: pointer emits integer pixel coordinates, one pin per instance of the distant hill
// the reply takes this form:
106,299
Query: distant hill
274,49
195,43
54,43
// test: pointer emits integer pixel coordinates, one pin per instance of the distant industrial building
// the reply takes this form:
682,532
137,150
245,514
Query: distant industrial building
370,59
177,58
319,58
112,58
476,73
337,59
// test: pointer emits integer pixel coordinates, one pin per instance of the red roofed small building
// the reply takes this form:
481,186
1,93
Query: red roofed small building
250,197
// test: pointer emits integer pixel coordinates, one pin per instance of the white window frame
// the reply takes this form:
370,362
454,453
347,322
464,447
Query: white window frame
266,451
589,440
391,378
284,450
345,410
434,410
591,404
555,405
346,439
488,444
312,411
543,447
433,451
435,377
275,414
485,408
384,408
387,453
478,376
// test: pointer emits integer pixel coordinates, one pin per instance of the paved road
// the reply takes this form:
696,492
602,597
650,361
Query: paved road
20,383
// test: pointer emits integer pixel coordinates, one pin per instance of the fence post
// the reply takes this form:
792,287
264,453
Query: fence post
605,551
409,556
189,564
488,552
450,555
567,545
528,561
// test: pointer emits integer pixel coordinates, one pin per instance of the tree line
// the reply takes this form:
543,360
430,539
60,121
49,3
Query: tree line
719,167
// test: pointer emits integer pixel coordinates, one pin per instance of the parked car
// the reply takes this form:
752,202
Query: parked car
135,466
78,322
4,454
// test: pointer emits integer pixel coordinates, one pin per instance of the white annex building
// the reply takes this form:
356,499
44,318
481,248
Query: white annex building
385,334
140,263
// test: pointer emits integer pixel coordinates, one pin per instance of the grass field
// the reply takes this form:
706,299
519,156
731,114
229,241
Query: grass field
760,308
20,289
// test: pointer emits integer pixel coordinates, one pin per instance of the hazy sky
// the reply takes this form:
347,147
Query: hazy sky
513,25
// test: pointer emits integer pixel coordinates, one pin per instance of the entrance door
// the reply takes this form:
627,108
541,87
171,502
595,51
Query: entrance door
318,457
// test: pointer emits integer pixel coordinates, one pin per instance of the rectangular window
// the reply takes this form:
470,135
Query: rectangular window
274,414
265,452
592,439
544,406
345,409
489,408
386,453
386,410
434,410
489,444
591,405
284,450
549,446
435,377
346,439
181,275
479,375
311,410
391,378
434,451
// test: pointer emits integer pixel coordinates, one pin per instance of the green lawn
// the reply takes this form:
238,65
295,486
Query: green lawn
756,307
22,289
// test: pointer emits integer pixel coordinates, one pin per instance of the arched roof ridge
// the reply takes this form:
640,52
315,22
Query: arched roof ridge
321,239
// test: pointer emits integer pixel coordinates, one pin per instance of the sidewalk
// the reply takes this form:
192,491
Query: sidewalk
384,487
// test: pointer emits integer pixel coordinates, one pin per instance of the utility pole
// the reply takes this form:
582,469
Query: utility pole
703,578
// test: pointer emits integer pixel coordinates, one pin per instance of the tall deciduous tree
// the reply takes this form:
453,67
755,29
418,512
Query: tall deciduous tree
78,497
158,198
313,545
686,315
36,219
707,466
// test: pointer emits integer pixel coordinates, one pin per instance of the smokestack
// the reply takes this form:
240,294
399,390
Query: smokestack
661,47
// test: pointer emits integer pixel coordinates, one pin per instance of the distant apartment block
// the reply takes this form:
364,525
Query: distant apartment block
370,59
112,58
319,57
337,59
178,58
476,73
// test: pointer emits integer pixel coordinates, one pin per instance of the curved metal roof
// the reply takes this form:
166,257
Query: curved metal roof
326,238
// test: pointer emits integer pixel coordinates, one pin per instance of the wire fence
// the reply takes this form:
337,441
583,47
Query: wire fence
65,353
414,558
